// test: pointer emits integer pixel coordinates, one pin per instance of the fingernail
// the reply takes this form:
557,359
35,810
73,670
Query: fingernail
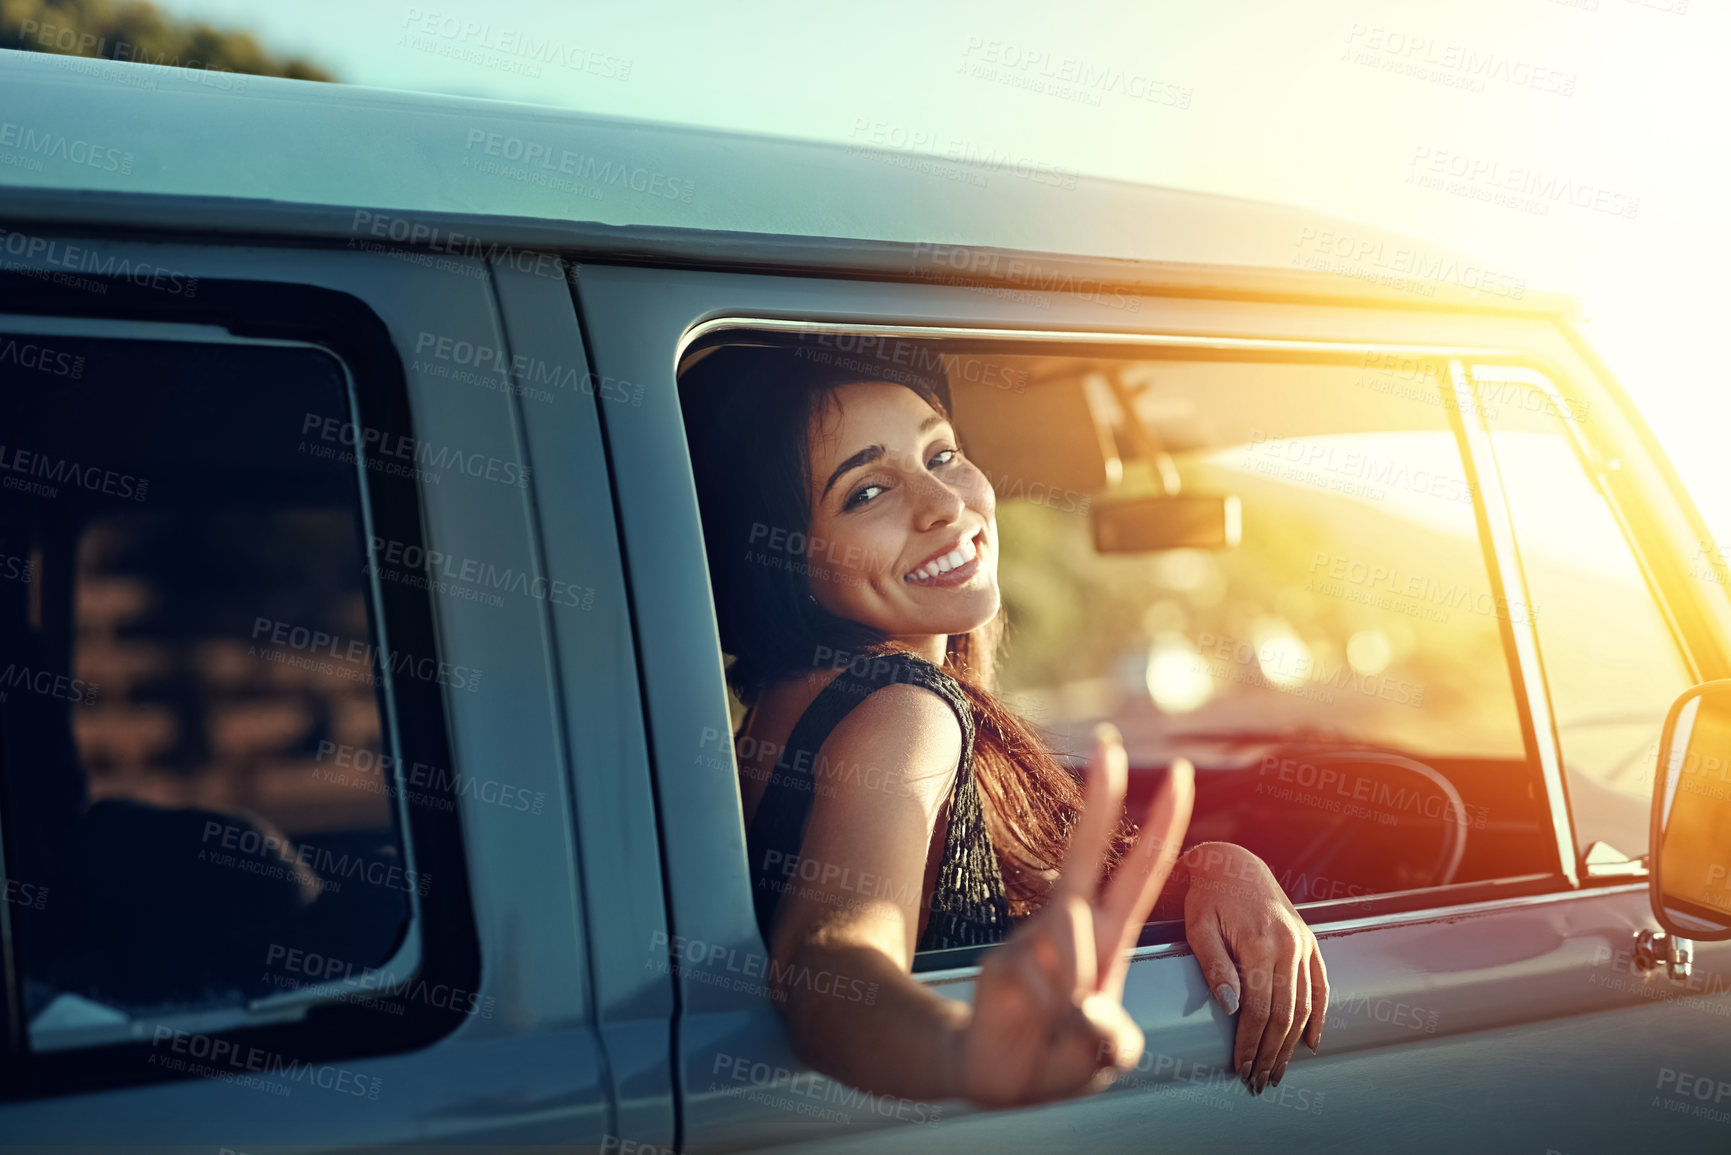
1312,1047
1278,1075
1244,1073
1261,1082
1228,998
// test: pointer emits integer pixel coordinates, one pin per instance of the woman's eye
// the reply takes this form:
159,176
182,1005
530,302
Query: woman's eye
943,457
862,495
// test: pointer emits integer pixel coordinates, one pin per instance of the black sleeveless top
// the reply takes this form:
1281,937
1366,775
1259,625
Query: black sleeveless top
969,907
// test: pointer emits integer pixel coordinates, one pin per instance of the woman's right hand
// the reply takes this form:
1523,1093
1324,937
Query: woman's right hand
1048,1017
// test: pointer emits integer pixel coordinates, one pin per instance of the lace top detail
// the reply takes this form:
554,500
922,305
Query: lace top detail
969,907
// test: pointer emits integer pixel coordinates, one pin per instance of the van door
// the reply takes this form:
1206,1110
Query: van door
1480,977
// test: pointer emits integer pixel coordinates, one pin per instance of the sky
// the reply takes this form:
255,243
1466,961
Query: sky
1353,106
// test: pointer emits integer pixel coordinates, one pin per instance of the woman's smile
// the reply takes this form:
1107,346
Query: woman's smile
953,565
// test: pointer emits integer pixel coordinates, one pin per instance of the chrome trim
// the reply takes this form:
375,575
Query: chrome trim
1471,909
1351,925
1534,688
1080,337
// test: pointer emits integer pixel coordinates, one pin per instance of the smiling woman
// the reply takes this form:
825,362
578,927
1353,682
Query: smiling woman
853,551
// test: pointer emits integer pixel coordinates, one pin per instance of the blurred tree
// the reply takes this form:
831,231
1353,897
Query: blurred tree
136,30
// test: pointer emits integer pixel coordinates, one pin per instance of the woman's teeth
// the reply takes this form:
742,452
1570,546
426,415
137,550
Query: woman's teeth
962,555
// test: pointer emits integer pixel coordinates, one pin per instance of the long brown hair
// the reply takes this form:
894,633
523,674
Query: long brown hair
748,413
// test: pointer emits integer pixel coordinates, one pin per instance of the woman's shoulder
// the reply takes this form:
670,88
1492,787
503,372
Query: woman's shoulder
884,705
903,732
892,681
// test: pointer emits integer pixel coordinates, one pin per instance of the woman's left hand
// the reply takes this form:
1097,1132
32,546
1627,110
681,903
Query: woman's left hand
1258,957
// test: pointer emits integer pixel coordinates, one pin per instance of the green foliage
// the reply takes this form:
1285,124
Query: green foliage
136,30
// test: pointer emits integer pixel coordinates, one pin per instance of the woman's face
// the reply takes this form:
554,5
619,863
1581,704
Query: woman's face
902,531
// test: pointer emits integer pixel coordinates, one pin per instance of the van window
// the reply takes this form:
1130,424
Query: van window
1338,676
190,688
1271,568
1611,664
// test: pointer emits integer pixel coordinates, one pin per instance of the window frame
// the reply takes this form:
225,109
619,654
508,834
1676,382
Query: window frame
349,331
1693,648
1490,510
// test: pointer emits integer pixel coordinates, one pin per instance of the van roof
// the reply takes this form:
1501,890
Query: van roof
104,142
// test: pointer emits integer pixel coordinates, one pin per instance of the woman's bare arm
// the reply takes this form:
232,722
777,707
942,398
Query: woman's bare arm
850,914
1048,1019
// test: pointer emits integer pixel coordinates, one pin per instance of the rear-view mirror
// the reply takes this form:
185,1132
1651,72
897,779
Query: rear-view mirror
1143,523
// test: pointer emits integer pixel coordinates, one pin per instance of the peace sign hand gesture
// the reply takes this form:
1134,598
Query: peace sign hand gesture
1048,1018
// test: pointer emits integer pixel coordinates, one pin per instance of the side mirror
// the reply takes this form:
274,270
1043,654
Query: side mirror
1689,875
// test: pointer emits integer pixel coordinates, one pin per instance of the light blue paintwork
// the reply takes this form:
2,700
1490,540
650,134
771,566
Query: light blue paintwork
194,133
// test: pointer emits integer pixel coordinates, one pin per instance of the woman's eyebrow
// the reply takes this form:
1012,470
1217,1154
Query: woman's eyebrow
864,457
870,454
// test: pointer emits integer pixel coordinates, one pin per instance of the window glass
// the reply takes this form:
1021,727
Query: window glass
1611,663
189,720
1339,677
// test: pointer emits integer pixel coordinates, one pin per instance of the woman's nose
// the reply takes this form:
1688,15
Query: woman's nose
936,503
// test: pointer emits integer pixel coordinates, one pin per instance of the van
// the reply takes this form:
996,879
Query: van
366,766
